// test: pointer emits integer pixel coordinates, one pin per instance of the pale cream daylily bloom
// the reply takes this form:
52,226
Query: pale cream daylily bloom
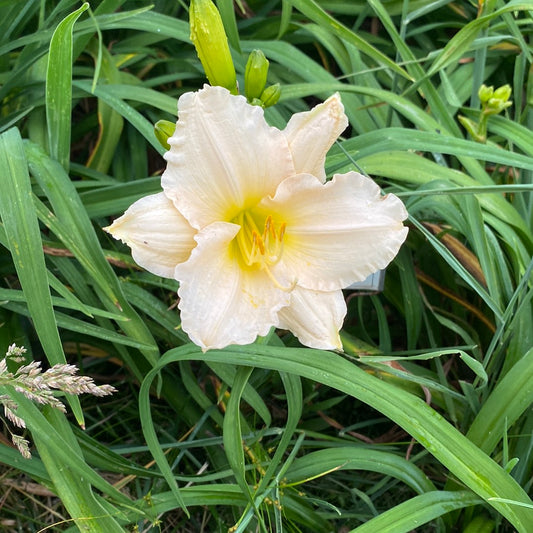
250,228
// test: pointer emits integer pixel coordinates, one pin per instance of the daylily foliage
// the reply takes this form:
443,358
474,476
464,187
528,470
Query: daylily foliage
251,229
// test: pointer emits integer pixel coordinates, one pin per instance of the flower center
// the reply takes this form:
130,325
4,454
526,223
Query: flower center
262,248
259,247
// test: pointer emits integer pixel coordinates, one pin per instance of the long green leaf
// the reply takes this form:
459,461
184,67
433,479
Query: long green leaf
293,391
456,452
74,489
249,394
227,14
59,88
124,109
506,403
32,467
22,231
150,436
312,10
79,326
402,105
73,227
402,139
232,430
67,467
18,296
110,122
418,511
462,40
321,462
24,239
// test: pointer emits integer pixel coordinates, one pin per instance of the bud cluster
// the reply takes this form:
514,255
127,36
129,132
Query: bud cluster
255,78
493,102
211,43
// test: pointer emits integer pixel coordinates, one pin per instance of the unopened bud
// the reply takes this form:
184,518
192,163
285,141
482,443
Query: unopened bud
499,101
503,93
211,43
255,75
164,129
270,95
485,93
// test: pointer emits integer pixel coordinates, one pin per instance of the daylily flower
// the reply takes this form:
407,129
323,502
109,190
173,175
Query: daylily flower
250,228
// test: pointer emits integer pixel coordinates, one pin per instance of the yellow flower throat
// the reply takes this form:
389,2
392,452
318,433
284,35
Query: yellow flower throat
259,249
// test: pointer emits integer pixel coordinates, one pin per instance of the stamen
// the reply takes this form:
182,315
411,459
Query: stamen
282,231
262,249
258,241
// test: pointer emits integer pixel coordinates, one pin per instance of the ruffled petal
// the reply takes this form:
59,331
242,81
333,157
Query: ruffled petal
315,317
158,235
338,232
312,133
221,303
223,157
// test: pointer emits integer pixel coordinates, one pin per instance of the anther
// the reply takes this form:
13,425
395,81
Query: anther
261,248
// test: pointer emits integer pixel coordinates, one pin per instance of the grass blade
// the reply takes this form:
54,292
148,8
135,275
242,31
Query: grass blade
456,452
512,396
418,511
59,88
24,239
320,462
232,430
312,10
73,227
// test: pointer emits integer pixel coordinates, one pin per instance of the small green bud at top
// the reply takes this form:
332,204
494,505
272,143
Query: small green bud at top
164,129
499,101
485,93
211,43
496,106
255,75
271,94
503,93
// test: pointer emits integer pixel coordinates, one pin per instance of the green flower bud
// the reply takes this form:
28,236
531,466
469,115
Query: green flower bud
255,75
495,106
503,93
270,95
211,43
164,129
485,93
499,101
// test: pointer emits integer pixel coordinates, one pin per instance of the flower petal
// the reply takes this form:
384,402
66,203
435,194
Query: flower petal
338,232
158,235
223,157
312,133
315,317
221,303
